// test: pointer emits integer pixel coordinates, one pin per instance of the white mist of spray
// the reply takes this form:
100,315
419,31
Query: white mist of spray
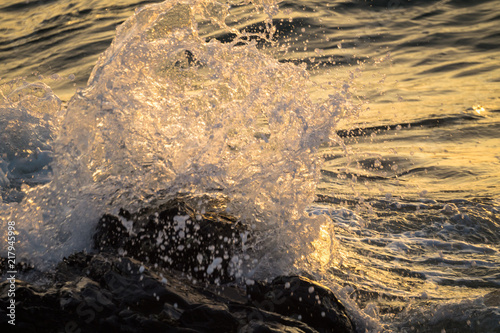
167,112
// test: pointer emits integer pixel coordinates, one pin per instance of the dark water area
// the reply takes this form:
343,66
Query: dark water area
410,181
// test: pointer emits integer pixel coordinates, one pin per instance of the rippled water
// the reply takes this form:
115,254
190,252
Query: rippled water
411,189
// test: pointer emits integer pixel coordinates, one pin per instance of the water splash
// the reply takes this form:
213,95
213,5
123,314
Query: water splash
167,112
27,112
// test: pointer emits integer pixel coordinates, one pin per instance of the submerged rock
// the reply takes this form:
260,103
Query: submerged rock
128,287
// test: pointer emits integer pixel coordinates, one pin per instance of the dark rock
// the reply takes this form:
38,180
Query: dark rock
128,287
273,327
209,318
301,298
110,233
105,293
258,320
174,236
20,266
96,293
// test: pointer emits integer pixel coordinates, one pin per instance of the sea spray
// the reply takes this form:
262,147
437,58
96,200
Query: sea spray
167,112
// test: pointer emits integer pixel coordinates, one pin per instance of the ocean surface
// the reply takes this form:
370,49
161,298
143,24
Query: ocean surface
360,140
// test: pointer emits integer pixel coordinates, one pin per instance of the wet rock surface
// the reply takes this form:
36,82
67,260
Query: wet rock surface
301,298
126,286
176,236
